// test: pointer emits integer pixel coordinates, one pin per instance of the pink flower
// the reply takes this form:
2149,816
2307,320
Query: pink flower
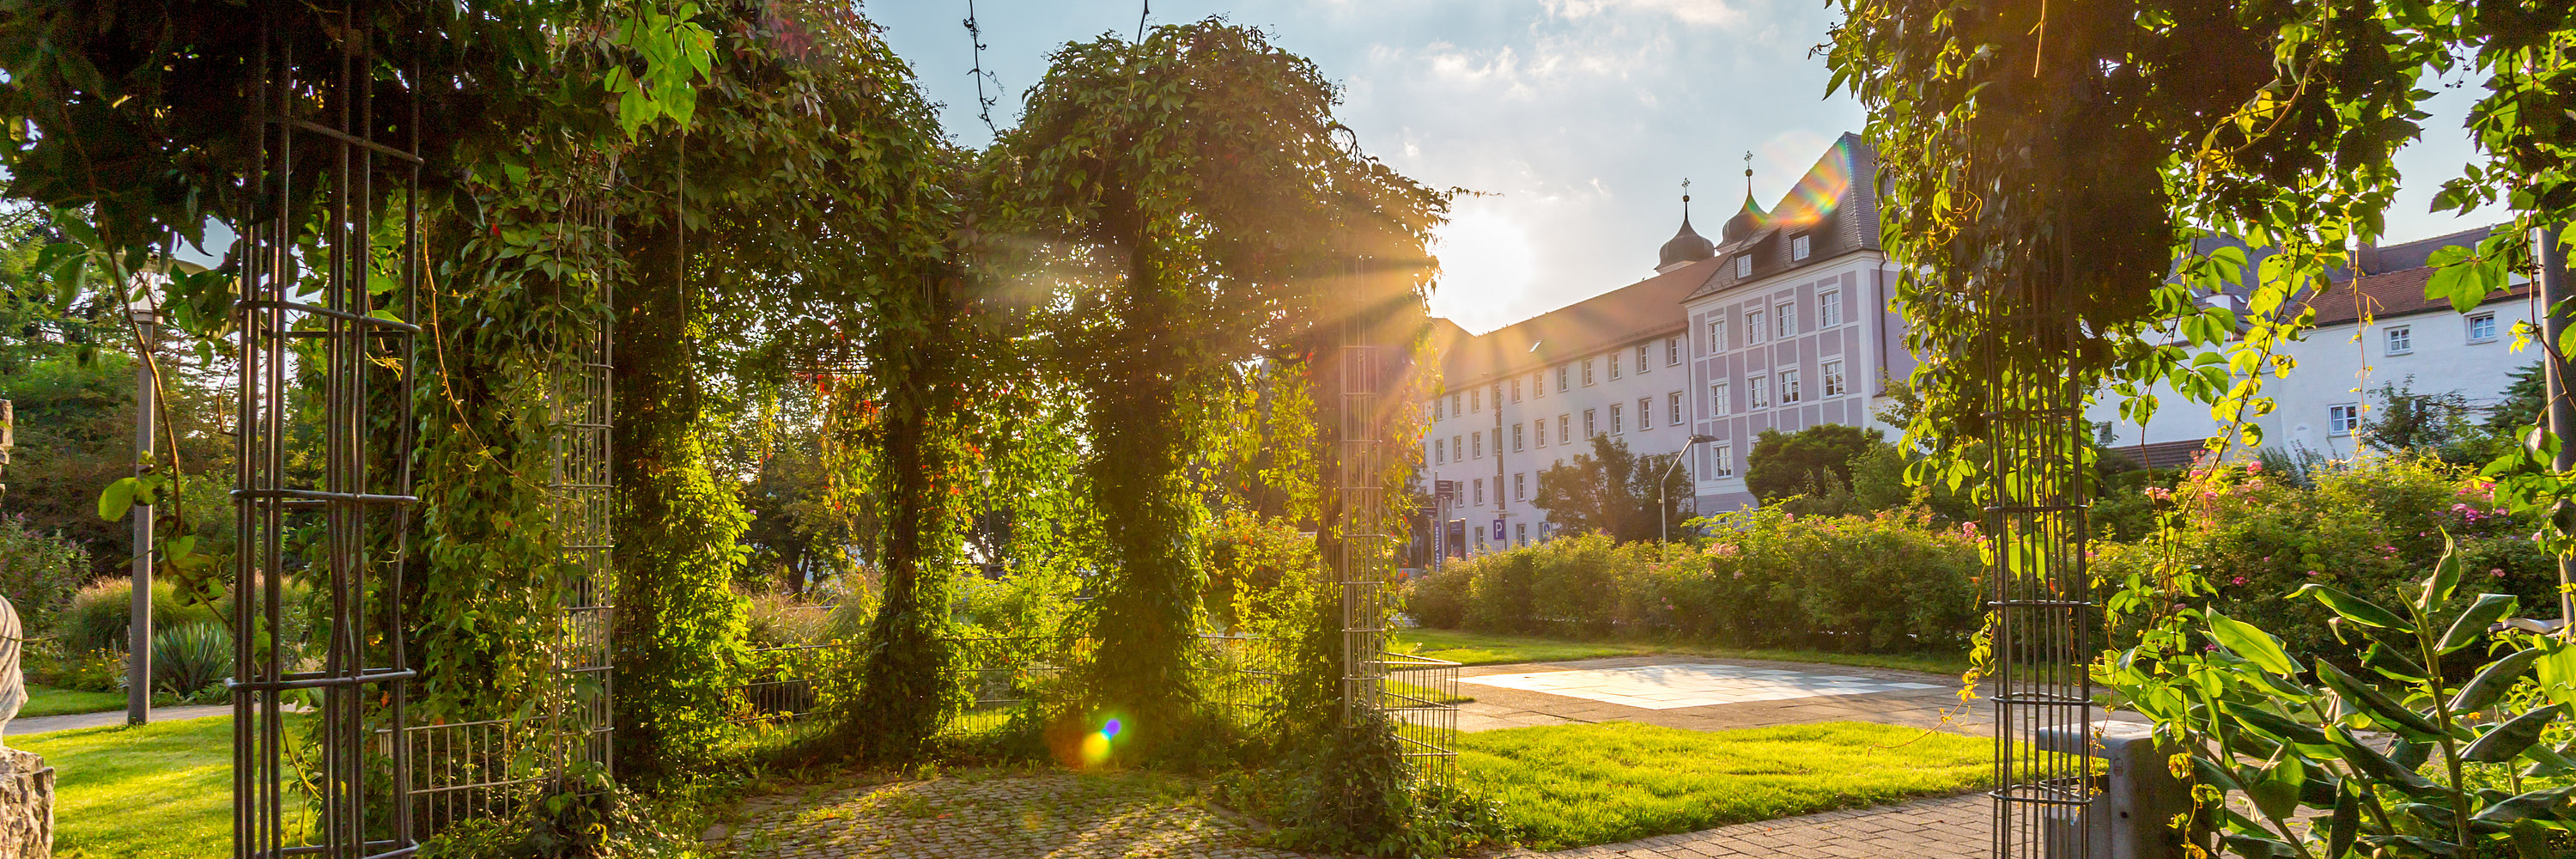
2237,580
1739,574
2180,606
2312,574
2497,572
2254,468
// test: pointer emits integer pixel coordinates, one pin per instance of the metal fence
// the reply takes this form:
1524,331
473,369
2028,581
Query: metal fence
1420,695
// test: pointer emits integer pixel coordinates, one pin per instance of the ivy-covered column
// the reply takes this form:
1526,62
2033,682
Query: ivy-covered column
679,626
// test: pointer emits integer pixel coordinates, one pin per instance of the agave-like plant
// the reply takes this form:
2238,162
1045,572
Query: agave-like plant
188,658
2269,735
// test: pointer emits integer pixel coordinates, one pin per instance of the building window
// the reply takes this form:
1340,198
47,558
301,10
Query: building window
1758,391
1516,389
1753,329
1520,489
1565,427
1480,499
1743,265
1829,308
1439,451
1590,428
1788,323
1645,413
1641,357
1617,426
1613,358
1717,334
1476,400
1539,428
2342,420
2401,340
1673,408
2482,328
1538,384
1520,533
1722,461
1480,536
1516,438
1788,386
1476,442
1673,350
1562,371
1458,448
1718,406
1453,405
1587,372
1438,412
1797,247
1834,379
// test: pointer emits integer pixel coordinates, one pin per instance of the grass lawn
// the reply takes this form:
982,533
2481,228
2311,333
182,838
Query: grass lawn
49,701
1570,785
1480,649
162,790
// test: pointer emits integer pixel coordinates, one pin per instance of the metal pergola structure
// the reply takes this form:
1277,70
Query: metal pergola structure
308,325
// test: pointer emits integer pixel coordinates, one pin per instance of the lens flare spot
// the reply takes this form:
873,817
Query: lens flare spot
1110,730
1095,749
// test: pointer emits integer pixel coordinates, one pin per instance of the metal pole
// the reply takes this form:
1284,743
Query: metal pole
138,633
2555,292
1664,498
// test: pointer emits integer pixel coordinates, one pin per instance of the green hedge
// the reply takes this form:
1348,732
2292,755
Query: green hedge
1888,582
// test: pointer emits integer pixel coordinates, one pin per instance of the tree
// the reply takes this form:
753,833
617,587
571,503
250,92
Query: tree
2522,402
2408,421
1786,464
1614,491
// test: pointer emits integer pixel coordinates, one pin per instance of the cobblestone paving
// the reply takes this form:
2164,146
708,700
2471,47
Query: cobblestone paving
1950,827
972,814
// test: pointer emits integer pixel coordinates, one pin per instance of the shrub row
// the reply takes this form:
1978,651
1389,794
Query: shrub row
1886,582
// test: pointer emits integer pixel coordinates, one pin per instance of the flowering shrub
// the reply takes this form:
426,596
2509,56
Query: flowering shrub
1889,581
2366,527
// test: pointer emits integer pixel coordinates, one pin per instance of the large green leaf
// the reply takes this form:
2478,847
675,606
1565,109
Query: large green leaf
2503,742
2551,804
2355,609
2345,823
2444,580
2493,680
2257,646
2392,663
2377,705
2277,726
2472,624
117,498
2370,764
2276,794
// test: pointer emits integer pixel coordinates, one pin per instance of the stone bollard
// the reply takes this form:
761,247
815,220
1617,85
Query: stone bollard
26,806
2134,796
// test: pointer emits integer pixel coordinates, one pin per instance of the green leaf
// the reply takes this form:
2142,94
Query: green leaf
2378,705
2472,624
2389,662
117,498
2492,681
2276,794
2277,726
2378,768
2444,580
2354,608
2257,646
2539,804
2345,823
2504,742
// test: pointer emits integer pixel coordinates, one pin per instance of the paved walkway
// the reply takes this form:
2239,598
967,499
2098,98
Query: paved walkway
104,718
1950,827
1705,694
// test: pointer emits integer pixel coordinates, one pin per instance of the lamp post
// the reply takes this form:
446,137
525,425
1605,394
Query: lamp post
1664,498
138,631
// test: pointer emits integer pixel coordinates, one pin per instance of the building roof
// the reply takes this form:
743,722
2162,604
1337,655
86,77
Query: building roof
1646,308
2396,293
1821,206
1686,246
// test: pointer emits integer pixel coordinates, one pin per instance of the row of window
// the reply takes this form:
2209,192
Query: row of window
2401,338
1758,389
1721,464
1472,445
1779,322
1798,249
1474,398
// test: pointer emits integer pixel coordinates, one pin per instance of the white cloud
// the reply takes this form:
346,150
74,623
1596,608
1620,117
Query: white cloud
1711,13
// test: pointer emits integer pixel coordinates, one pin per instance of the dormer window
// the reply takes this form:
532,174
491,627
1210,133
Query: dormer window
1743,265
1797,247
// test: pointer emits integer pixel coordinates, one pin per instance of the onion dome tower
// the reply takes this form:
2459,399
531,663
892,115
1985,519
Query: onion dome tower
1686,246
1751,217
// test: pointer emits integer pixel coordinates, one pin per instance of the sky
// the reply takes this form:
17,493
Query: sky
1573,121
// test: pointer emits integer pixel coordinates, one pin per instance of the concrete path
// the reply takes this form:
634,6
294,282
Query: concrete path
1950,827
1707,694
69,721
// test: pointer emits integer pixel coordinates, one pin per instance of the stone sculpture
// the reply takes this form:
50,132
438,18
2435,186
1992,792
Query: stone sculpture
26,783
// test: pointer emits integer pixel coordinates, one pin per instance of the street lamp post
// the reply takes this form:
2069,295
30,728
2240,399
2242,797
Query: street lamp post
1664,498
138,642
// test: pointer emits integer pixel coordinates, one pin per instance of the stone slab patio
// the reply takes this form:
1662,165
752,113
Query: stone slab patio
1708,694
